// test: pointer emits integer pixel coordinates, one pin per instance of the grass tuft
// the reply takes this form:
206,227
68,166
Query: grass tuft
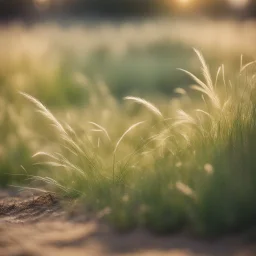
193,169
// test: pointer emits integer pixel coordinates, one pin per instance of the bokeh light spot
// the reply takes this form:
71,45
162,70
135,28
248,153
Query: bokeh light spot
238,3
42,4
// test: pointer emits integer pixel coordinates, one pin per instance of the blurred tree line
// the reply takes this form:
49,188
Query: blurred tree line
32,9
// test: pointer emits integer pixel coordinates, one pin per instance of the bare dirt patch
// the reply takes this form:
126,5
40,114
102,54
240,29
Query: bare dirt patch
28,210
32,225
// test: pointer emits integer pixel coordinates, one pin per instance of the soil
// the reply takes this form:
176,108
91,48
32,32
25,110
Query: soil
36,225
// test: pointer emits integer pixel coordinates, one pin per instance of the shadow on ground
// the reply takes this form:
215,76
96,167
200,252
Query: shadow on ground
38,225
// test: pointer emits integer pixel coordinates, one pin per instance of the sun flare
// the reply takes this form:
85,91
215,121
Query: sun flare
184,2
238,3
42,3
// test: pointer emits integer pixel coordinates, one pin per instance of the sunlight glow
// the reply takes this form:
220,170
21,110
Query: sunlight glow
42,3
184,2
238,3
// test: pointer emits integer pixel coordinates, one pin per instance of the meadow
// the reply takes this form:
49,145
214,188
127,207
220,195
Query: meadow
134,122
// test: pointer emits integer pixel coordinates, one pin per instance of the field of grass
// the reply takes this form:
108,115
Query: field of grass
182,159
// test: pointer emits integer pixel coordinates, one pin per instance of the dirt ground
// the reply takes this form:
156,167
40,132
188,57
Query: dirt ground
32,225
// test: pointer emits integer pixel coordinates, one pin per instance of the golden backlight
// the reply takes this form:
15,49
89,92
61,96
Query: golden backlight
238,3
233,3
184,2
42,3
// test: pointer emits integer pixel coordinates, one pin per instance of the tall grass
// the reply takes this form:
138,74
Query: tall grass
161,169
45,59
16,139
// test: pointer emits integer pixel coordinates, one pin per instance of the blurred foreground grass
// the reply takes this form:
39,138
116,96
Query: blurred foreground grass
186,163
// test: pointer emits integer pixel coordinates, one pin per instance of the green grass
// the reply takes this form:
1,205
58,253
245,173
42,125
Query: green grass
131,58
181,162
167,173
